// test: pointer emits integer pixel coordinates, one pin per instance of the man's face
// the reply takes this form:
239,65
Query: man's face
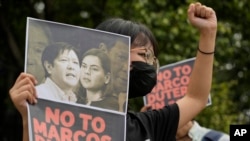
119,61
93,76
65,70
37,43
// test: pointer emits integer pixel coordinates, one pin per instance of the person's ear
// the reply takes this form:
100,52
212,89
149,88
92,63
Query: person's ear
107,78
48,66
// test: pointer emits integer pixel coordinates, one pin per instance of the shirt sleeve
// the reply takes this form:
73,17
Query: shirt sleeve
156,125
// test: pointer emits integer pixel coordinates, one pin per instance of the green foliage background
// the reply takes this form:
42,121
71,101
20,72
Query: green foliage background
177,40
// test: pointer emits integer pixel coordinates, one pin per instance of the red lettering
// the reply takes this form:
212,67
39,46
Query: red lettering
167,84
52,115
151,98
67,119
77,134
159,87
177,71
66,134
166,74
176,92
159,96
40,127
159,76
183,90
185,80
171,102
92,136
155,87
186,69
85,120
106,138
39,138
158,105
167,93
53,133
176,82
172,85
98,124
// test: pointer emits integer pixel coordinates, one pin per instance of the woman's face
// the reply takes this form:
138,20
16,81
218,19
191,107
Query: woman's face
65,71
93,76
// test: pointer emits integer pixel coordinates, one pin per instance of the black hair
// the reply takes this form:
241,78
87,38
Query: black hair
105,64
103,57
136,31
52,51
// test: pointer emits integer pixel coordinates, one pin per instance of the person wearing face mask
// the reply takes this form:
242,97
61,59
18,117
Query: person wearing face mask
154,125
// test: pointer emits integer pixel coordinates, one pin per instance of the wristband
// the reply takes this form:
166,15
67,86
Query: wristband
207,53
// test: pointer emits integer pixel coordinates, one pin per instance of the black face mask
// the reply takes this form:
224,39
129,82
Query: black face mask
142,80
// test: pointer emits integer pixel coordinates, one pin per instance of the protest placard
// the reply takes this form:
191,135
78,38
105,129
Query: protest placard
76,72
64,122
172,83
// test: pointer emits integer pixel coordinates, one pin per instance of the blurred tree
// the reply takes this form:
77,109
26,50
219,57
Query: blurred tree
177,41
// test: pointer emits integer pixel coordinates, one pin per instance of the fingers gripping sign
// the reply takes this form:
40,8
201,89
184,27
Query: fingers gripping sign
23,91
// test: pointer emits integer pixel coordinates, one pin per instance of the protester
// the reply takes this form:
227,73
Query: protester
62,71
95,77
162,124
156,125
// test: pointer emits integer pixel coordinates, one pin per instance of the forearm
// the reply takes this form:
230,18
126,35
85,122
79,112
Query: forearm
200,82
25,130
24,91
201,78
204,19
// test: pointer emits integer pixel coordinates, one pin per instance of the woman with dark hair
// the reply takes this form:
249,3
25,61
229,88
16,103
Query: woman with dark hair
95,77
162,124
154,125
